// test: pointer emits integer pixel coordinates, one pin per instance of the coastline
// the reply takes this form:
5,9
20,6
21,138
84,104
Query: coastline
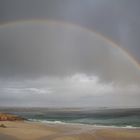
27,130
82,124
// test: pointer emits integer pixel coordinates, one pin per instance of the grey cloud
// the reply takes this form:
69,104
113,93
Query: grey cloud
75,90
35,50
108,17
43,57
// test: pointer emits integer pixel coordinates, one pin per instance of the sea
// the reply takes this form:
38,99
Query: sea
122,117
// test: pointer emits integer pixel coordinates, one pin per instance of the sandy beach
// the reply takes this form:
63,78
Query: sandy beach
21,130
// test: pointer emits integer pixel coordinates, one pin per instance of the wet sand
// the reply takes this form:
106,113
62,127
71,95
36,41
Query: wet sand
21,130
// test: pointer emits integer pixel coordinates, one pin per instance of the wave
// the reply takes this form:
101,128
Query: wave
94,125
45,121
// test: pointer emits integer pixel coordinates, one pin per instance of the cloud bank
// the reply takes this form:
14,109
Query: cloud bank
44,64
75,90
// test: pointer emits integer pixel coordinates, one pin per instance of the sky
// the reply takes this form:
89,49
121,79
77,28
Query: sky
70,53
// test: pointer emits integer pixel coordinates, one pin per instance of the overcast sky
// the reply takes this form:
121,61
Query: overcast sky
62,61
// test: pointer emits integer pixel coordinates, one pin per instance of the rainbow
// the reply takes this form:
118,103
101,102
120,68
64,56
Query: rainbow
84,29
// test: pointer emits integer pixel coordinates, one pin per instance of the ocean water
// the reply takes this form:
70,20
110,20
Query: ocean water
99,117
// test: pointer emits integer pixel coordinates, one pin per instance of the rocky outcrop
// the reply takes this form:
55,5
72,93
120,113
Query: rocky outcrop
10,117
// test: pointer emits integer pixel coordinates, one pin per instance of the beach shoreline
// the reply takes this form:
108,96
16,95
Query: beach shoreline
27,130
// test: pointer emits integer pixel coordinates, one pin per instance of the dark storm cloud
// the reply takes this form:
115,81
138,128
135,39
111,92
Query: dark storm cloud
118,20
52,49
41,64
